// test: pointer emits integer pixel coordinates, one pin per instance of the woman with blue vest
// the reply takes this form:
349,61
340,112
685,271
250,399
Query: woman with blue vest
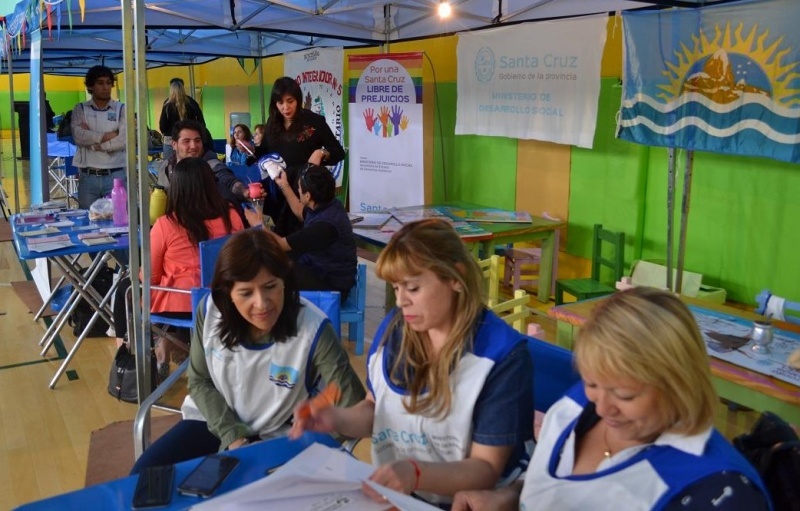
637,432
258,350
450,401
324,250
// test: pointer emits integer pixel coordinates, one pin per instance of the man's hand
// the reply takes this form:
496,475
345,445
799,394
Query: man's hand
108,136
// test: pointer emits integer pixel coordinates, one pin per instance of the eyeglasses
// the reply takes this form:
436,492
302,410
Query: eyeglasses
303,177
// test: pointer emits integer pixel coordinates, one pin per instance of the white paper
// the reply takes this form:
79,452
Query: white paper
47,247
45,230
318,479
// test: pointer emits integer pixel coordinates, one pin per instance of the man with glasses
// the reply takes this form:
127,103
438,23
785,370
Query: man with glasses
98,131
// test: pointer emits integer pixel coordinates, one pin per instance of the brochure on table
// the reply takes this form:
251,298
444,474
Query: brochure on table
319,478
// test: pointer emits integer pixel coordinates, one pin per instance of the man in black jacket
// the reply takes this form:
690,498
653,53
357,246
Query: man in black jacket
187,141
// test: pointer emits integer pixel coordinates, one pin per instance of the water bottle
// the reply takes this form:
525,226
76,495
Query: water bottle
119,199
158,203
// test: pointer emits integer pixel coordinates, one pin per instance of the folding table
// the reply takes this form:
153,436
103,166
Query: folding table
81,279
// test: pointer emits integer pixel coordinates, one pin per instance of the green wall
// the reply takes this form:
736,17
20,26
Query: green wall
61,101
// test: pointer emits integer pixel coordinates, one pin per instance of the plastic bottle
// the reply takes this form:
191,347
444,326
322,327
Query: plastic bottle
158,203
119,198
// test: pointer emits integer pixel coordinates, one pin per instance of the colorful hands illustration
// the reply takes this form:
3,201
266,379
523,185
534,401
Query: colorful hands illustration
369,118
384,118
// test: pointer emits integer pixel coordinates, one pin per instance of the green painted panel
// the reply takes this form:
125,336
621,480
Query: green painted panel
214,111
607,183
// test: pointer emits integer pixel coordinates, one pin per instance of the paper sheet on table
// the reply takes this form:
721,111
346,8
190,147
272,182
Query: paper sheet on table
318,479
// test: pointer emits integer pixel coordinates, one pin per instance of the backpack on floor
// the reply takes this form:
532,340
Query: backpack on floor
774,450
122,377
83,312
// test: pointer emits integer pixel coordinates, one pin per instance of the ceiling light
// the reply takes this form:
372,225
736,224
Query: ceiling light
445,9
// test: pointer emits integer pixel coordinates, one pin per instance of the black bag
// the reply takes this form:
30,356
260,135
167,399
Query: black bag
83,311
65,127
122,377
774,450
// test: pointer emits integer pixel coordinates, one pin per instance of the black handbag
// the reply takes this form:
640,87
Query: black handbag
774,450
122,377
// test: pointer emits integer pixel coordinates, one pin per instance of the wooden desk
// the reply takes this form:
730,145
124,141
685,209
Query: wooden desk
735,383
500,234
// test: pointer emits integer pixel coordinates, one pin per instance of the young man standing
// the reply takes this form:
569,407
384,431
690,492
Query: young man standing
98,131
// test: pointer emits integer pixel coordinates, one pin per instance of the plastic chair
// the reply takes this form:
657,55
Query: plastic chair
491,276
354,310
516,258
209,251
515,312
582,289
553,372
246,173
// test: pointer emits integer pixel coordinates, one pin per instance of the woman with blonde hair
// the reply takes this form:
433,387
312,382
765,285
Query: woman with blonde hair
638,432
178,106
450,404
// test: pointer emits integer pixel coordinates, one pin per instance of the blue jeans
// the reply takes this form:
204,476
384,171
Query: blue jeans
91,187
186,440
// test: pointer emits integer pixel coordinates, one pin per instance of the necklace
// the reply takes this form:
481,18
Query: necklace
607,452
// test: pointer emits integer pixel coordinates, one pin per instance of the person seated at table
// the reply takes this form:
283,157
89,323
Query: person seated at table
195,212
325,248
299,136
241,145
258,350
188,140
450,402
637,432
259,130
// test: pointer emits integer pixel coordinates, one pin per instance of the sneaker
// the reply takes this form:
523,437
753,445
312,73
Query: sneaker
112,333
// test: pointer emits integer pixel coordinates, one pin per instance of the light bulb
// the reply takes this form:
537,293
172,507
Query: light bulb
445,9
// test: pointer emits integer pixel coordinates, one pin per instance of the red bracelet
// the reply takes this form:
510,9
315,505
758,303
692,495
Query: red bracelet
417,472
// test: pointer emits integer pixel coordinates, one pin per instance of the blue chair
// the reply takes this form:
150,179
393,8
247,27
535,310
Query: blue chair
354,309
209,251
246,173
553,372
330,303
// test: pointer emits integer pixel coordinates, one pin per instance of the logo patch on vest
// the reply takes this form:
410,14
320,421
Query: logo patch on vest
283,376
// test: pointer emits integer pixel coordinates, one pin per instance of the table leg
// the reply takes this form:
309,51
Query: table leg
565,334
546,267
756,400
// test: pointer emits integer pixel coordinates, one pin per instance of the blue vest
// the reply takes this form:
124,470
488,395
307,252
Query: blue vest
336,264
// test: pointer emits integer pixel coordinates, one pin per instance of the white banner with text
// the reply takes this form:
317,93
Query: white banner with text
319,71
385,126
538,81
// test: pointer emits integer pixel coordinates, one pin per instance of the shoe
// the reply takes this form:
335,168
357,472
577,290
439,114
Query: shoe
112,333
162,373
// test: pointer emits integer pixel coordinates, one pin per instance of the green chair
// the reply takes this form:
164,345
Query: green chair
593,287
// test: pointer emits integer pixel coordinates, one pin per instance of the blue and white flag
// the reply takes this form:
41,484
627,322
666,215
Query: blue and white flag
721,79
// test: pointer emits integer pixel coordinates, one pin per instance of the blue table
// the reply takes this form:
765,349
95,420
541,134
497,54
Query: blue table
81,279
255,460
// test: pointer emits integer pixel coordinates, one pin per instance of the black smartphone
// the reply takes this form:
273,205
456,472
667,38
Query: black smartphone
154,487
204,480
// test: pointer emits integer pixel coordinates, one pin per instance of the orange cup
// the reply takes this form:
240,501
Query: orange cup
255,190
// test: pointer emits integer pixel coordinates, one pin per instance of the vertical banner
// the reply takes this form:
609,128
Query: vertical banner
319,73
721,79
537,81
385,127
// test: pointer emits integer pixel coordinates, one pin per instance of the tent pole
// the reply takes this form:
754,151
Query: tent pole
261,79
687,192
13,130
670,212
191,80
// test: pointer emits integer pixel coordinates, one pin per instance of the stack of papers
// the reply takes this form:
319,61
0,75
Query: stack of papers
49,243
44,230
319,478
96,238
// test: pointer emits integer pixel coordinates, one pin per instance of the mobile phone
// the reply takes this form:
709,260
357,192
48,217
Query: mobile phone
154,487
204,480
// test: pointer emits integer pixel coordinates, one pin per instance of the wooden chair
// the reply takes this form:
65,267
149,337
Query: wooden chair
582,289
515,312
517,258
491,276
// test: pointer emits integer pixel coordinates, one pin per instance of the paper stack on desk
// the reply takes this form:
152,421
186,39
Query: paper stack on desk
318,478
49,243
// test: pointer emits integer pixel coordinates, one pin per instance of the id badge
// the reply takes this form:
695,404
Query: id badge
112,115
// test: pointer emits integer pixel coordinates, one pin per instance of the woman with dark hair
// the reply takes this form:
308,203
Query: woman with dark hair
195,212
241,144
450,406
324,249
178,106
258,350
300,136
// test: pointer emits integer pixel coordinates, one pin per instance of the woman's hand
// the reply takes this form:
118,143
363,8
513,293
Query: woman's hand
309,418
281,180
503,499
238,443
254,218
399,475
318,156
